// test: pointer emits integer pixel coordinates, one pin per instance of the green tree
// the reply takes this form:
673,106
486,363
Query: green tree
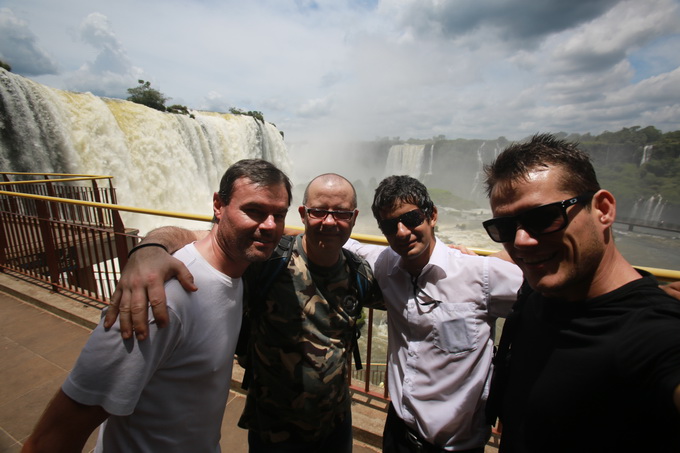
145,95
180,110
254,113
5,66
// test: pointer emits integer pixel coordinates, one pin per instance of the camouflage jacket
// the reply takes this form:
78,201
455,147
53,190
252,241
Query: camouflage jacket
301,336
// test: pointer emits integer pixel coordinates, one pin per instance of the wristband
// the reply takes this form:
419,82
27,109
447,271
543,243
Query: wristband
146,244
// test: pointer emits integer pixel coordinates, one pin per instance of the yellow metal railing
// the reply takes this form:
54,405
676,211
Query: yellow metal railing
665,275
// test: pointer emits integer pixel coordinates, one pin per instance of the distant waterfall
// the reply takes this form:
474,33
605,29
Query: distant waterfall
158,160
646,154
406,159
649,209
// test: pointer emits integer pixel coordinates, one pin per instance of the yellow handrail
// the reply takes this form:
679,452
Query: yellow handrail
53,174
667,275
115,207
39,181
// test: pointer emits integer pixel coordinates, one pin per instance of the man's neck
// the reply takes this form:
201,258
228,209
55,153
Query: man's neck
613,272
215,256
416,265
318,255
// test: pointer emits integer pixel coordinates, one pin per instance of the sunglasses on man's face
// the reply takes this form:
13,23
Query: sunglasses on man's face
545,219
411,219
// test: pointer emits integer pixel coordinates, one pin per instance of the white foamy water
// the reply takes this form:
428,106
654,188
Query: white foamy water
158,160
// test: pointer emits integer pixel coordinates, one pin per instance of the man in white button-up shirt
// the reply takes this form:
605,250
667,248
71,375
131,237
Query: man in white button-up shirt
442,306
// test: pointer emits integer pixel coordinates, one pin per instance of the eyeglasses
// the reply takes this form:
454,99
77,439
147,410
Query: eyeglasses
545,219
410,220
316,213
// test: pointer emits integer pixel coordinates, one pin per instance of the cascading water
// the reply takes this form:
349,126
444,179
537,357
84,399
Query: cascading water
405,159
649,209
158,160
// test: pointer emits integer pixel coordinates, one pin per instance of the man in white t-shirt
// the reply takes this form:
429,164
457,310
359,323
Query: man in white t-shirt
126,383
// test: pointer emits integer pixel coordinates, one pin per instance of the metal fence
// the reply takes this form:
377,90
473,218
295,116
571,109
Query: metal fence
57,230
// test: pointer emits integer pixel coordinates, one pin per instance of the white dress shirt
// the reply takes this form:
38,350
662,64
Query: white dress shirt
439,355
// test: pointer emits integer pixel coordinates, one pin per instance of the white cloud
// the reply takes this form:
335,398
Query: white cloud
20,48
408,68
315,107
111,72
607,40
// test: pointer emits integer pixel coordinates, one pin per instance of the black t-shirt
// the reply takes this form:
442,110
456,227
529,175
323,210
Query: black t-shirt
596,375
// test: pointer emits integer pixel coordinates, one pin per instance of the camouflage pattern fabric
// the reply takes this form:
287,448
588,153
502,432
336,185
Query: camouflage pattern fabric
300,345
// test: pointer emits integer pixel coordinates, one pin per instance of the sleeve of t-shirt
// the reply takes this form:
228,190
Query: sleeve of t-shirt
369,252
505,279
650,352
111,372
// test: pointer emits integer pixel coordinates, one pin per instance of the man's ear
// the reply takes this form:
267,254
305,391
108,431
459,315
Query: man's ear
433,216
604,208
217,206
303,212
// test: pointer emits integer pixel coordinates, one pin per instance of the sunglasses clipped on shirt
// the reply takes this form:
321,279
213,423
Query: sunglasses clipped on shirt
411,219
549,218
316,213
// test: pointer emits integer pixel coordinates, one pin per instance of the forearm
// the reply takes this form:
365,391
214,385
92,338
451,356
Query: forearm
143,277
173,238
64,427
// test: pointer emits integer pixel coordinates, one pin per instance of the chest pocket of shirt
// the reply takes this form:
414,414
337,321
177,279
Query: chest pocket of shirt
457,336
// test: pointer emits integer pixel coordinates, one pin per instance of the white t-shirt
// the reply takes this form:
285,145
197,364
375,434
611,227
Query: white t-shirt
168,392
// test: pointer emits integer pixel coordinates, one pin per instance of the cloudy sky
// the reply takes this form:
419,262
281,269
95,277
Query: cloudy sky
369,68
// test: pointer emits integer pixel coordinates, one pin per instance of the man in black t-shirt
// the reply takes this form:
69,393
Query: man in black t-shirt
590,358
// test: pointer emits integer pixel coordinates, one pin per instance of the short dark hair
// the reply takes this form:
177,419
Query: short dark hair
542,151
259,171
396,190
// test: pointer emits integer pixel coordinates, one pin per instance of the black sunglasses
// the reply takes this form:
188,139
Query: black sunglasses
545,219
410,220
316,213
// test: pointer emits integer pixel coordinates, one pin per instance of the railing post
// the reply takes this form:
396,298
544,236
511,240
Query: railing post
120,238
3,243
112,192
98,199
369,351
44,222
54,210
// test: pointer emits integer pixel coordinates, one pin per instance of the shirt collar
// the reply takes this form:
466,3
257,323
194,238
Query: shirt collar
438,259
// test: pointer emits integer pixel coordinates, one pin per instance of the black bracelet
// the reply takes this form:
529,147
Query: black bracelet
146,244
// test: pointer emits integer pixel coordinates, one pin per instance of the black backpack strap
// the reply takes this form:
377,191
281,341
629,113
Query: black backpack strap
258,280
501,359
360,281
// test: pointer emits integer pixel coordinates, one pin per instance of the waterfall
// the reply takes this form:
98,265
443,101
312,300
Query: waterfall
158,160
646,154
477,184
649,210
405,159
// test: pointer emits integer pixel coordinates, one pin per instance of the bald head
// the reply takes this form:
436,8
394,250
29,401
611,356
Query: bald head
334,183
